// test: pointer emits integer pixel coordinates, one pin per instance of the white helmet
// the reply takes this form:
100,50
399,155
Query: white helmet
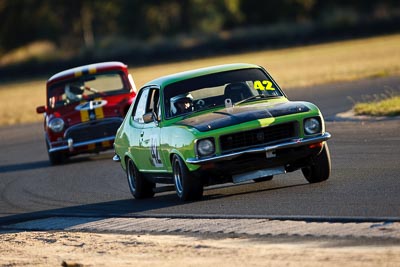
182,98
73,92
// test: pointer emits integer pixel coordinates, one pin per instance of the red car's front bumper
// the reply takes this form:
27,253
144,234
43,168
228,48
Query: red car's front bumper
88,136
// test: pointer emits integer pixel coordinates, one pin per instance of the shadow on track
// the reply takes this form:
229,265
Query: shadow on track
25,166
117,208
251,191
132,207
28,166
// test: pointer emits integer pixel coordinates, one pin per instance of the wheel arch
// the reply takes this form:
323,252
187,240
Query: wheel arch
177,153
127,157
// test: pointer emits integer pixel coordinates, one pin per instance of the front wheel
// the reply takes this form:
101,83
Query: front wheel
56,158
187,186
320,168
138,185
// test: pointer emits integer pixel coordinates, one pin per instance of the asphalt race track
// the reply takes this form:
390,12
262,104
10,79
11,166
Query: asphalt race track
364,184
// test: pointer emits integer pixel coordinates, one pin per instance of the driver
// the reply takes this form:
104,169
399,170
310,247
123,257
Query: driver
181,104
74,91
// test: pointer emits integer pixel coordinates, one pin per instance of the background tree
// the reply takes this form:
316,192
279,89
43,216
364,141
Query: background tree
80,24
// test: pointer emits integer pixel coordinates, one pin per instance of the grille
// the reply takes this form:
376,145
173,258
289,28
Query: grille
258,137
93,130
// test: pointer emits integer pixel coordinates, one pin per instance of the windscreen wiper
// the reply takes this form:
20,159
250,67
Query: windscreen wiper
254,97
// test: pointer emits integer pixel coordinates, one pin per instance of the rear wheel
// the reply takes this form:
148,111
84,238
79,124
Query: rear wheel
320,168
138,185
187,186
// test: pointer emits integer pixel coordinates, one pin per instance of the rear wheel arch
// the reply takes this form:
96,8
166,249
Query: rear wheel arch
139,186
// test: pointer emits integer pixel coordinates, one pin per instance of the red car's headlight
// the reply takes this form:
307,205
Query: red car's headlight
56,125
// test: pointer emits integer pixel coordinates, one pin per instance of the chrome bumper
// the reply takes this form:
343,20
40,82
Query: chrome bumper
288,144
71,145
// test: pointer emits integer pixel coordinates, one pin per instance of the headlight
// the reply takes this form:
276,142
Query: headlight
312,126
205,147
56,125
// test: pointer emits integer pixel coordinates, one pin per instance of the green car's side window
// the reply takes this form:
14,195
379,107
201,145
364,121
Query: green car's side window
140,108
153,103
147,104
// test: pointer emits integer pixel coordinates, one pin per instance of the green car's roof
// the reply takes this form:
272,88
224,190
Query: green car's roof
166,80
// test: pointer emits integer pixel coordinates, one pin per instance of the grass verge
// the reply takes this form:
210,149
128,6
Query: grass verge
387,107
292,67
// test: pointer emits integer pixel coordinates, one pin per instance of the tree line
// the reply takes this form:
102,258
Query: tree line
77,23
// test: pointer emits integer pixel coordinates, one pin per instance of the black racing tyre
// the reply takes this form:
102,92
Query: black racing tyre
320,168
263,179
56,158
187,186
138,185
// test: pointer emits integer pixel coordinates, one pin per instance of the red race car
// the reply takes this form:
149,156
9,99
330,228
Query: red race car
84,108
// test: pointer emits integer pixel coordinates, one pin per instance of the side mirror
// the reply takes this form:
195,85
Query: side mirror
41,109
149,117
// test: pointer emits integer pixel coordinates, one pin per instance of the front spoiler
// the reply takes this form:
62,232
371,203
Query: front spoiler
71,145
289,144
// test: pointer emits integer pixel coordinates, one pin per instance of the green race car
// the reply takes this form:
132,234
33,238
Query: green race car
227,123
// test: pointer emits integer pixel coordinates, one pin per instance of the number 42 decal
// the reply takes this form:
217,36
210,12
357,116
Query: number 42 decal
263,85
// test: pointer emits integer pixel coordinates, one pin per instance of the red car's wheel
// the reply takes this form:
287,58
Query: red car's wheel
57,157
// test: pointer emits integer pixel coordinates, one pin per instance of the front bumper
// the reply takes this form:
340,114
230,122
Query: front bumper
71,146
288,144
97,132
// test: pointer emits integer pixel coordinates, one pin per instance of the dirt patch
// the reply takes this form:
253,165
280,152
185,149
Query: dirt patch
103,249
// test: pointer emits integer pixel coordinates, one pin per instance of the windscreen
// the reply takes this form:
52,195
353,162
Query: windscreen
216,90
86,88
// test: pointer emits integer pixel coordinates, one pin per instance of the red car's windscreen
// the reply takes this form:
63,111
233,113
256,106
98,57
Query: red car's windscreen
86,88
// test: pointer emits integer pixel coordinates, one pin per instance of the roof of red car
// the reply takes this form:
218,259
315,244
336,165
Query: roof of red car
86,69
